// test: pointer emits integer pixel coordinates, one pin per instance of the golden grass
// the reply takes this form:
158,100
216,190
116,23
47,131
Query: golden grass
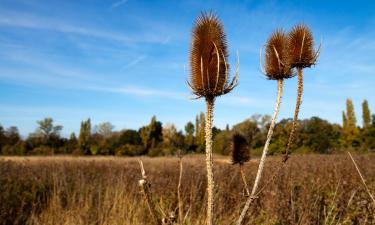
313,189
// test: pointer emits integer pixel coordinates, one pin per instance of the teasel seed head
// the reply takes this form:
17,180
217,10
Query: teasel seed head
301,52
240,151
209,58
276,65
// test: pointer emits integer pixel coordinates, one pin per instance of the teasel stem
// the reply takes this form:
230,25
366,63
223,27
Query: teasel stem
296,112
247,192
209,160
258,177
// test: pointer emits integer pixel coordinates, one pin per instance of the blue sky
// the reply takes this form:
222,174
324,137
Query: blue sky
125,60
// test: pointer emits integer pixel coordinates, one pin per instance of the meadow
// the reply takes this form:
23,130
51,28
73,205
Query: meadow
310,189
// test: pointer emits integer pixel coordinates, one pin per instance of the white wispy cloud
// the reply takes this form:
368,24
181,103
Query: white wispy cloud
135,61
34,22
118,4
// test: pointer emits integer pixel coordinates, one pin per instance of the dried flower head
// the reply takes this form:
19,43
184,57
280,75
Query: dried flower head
301,50
240,151
276,61
209,58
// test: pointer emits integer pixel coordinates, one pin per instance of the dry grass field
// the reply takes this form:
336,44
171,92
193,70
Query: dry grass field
311,189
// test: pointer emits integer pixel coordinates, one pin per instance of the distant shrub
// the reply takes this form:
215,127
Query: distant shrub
129,150
42,150
17,149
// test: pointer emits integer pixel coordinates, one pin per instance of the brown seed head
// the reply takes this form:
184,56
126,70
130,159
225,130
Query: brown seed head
276,62
240,151
301,50
209,58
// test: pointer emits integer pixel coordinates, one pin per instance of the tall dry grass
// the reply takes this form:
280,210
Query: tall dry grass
313,189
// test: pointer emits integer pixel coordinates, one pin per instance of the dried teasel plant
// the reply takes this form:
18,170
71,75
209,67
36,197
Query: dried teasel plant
301,54
209,79
240,155
276,68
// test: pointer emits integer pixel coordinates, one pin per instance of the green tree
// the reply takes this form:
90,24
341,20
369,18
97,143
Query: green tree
151,135
366,115
46,129
249,129
12,135
130,137
105,129
84,139
200,131
2,138
189,137
71,144
318,135
350,130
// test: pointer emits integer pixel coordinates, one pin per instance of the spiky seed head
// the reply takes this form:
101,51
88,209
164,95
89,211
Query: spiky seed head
301,50
209,58
276,61
240,151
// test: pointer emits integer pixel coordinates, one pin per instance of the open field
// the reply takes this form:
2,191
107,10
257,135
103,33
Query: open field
312,189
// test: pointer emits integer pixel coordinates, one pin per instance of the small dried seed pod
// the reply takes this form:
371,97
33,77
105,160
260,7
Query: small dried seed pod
301,52
240,151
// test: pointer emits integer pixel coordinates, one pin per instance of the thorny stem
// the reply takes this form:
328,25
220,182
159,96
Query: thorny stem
296,112
264,154
209,160
247,192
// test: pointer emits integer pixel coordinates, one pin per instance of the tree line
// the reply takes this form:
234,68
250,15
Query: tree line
313,135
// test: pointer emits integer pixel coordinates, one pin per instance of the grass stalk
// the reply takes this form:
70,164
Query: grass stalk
363,179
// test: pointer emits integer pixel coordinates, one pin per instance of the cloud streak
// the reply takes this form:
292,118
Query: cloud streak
118,4
32,22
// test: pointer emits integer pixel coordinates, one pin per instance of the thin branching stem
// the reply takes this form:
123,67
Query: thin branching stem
264,154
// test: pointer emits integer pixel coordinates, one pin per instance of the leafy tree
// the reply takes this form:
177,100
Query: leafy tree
366,116
151,135
2,137
130,137
105,129
200,132
350,130
46,128
84,139
318,135
12,135
249,129
189,138
222,142
71,144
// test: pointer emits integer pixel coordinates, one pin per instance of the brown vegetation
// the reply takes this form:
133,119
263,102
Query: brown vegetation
313,189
